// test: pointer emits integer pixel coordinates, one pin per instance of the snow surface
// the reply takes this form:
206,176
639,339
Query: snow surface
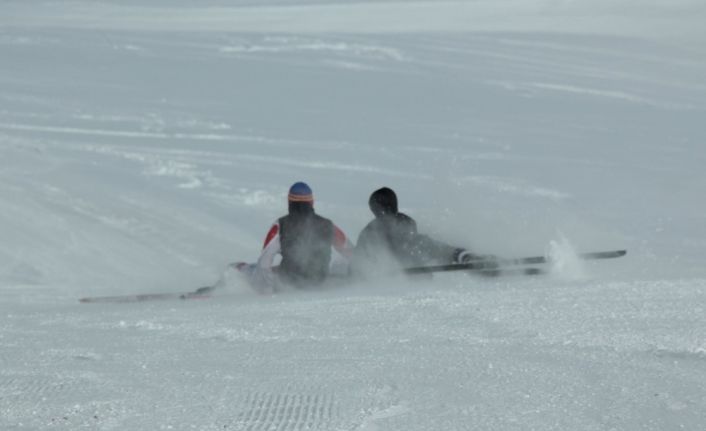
145,145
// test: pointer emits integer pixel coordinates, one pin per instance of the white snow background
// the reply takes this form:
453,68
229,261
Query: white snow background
144,145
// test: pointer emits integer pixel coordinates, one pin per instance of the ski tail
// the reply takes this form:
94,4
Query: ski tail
200,293
204,292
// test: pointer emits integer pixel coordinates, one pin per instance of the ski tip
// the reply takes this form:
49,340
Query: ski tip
604,254
616,253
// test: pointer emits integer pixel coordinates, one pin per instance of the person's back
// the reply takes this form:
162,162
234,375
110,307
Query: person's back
311,246
306,247
393,234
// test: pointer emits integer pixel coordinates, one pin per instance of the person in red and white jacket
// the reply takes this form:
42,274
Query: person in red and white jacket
311,246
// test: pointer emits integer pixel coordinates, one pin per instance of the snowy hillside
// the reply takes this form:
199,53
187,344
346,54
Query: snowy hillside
145,145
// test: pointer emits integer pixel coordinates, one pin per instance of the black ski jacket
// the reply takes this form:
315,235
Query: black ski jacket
394,234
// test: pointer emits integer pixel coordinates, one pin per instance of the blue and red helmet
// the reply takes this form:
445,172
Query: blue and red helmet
300,199
300,192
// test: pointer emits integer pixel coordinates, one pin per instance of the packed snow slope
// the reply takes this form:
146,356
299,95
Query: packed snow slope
145,145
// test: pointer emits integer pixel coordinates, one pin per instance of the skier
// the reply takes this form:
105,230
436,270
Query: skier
392,238
311,247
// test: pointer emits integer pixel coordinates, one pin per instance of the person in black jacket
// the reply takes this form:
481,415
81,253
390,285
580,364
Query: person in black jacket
392,238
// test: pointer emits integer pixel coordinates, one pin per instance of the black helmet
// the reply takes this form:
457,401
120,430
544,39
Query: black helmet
383,202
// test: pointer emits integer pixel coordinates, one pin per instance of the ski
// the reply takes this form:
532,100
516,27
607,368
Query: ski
511,272
201,293
596,255
489,265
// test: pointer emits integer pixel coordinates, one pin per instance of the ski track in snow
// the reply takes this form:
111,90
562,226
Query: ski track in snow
136,159
288,411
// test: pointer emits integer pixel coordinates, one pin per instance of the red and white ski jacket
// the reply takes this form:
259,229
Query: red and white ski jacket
341,251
